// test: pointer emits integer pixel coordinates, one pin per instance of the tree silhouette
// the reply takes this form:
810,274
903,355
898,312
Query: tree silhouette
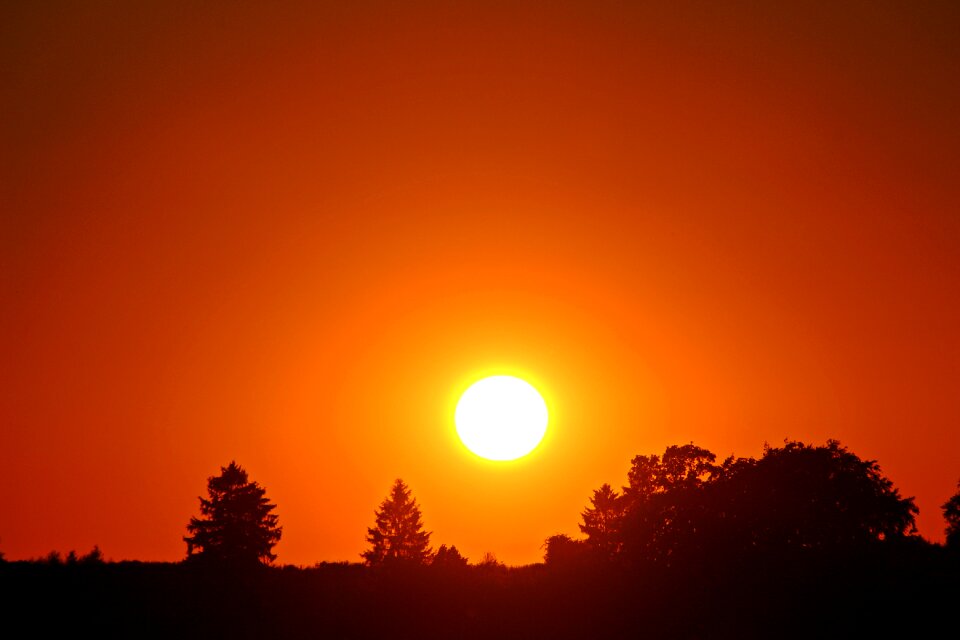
601,522
237,527
684,506
663,501
448,558
809,497
94,557
682,467
398,535
560,550
951,513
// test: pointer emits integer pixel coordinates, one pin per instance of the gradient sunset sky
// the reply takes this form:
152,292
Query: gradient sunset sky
290,234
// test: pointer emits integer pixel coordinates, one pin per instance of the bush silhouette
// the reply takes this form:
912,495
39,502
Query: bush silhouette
560,550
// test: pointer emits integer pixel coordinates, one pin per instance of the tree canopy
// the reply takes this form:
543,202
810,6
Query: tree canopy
684,505
811,497
951,513
237,526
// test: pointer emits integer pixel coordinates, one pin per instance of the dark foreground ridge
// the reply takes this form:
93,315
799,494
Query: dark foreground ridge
805,541
910,586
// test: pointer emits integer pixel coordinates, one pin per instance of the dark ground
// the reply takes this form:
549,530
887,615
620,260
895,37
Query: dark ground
908,588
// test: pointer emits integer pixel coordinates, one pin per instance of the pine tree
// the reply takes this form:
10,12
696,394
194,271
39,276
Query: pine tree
601,522
237,527
398,535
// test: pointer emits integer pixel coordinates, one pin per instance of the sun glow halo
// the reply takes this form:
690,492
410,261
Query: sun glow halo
501,418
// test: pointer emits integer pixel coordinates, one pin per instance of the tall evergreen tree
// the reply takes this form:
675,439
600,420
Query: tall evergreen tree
398,535
237,526
601,522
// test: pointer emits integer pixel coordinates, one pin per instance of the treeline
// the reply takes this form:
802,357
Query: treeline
684,506
802,541
681,506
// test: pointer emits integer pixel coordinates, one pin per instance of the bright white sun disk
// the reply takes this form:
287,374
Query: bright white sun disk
501,418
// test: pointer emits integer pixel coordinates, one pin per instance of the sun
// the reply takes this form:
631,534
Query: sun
501,418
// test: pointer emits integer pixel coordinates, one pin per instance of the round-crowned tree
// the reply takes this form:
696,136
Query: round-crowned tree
237,526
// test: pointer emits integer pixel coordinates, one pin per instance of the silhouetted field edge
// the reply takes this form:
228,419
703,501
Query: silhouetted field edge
875,589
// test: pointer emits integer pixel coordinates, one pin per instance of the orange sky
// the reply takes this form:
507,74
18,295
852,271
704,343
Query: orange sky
288,235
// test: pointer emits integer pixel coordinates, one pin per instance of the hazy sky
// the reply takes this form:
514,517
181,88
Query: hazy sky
290,233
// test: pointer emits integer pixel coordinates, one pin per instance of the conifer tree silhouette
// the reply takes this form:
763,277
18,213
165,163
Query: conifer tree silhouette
951,513
237,527
398,535
449,558
601,521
